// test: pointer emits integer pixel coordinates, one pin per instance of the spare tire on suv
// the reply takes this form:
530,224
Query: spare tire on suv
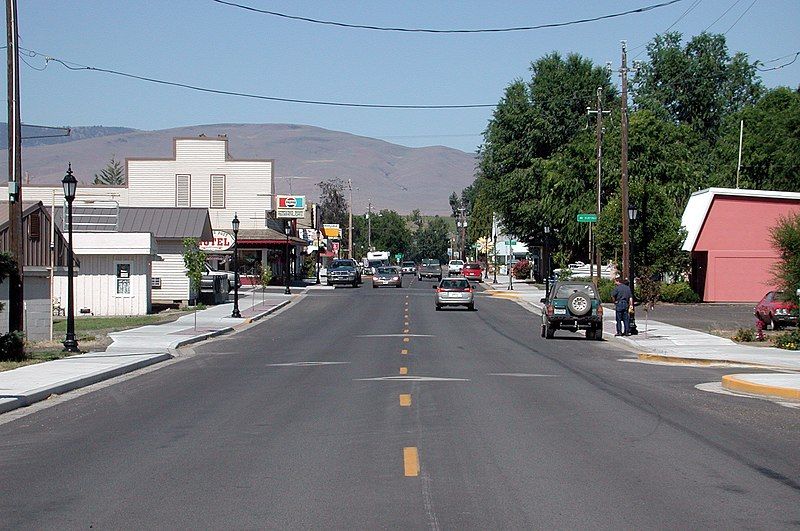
572,305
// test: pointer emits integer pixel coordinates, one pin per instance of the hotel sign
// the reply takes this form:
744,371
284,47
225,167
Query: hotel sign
221,241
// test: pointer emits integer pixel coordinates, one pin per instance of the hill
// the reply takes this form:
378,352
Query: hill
392,176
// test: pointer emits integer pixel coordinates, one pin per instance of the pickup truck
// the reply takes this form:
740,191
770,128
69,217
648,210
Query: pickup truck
429,268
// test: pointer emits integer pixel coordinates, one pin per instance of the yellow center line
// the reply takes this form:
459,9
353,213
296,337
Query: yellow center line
406,340
404,351
405,330
411,461
403,370
405,323
405,400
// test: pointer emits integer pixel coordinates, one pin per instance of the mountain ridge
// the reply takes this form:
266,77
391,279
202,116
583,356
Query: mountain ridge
392,176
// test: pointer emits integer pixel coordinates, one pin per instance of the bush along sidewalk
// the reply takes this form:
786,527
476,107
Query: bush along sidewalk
788,341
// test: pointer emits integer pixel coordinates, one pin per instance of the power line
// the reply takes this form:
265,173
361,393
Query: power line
740,16
78,67
722,15
689,10
441,31
794,58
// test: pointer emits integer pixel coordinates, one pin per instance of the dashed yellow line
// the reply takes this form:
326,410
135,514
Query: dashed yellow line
410,461
405,330
406,340
403,370
405,400
404,351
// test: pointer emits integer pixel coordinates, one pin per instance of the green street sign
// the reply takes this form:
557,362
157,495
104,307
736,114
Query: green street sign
511,242
398,256
587,218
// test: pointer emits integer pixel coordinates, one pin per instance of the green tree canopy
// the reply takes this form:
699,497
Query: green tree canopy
112,175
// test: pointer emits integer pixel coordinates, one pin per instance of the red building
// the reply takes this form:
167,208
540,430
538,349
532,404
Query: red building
729,239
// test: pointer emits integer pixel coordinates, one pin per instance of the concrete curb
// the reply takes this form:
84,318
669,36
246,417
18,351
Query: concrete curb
201,337
37,395
677,360
265,313
734,382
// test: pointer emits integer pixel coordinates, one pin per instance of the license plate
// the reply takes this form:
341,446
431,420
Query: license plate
560,311
454,295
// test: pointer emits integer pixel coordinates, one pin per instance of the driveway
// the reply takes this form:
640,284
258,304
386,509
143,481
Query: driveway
707,317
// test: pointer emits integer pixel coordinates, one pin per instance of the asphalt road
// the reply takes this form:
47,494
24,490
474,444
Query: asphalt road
306,421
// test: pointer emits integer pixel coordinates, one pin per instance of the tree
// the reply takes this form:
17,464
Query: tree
785,237
390,233
432,240
194,260
334,205
698,84
112,175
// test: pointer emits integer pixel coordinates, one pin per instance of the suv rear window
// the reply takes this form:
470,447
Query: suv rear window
472,265
563,291
409,264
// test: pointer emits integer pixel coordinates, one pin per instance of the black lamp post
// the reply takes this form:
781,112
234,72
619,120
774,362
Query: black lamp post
632,214
319,237
235,225
70,184
288,229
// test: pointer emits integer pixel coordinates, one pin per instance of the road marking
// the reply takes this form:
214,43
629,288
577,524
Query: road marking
523,375
403,370
406,330
396,335
411,379
405,400
406,340
308,363
404,351
405,323
410,461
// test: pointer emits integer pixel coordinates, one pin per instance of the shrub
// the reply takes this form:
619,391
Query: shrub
744,335
678,292
11,345
605,287
788,341
522,270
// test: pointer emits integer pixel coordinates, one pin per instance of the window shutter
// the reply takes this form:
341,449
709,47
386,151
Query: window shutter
217,191
183,191
35,226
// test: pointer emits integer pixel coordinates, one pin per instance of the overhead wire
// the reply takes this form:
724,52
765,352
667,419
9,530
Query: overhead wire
444,31
794,58
740,16
722,15
689,10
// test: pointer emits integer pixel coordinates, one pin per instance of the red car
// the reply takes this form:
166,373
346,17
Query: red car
472,271
776,310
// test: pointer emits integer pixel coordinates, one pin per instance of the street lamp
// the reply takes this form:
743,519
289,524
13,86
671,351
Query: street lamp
70,184
235,225
547,262
288,229
632,214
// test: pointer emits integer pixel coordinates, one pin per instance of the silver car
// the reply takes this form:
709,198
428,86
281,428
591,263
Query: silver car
387,276
454,291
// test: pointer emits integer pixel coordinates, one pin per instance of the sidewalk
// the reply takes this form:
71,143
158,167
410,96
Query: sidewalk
133,349
667,343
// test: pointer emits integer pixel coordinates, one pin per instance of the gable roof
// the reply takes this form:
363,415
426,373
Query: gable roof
696,211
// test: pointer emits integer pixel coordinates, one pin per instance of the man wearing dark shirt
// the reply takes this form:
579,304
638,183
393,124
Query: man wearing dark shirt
623,301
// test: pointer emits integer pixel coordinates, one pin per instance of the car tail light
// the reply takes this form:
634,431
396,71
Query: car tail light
549,309
600,310
439,290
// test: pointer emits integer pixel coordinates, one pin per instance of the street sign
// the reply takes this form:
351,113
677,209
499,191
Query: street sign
290,206
511,242
398,256
587,218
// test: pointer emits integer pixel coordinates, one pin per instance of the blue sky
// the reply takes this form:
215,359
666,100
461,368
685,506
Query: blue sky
204,43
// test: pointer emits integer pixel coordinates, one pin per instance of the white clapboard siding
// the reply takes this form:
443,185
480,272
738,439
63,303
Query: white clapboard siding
169,267
96,288
45,194
200,150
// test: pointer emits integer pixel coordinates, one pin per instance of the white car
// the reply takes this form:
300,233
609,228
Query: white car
454,267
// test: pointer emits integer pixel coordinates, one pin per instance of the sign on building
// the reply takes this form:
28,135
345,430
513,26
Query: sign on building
332,230
221,241
290,206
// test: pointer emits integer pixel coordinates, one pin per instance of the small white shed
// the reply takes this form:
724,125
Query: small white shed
114,276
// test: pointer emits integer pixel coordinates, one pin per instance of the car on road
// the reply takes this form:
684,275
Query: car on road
347,262
429,268
387,276
408,268
454,267
454,291
342,273
573,306
472,271
776,310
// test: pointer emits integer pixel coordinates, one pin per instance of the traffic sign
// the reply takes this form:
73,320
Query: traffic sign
587,218
398,256
511,242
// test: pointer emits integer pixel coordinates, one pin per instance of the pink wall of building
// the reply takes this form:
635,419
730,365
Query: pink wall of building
736,236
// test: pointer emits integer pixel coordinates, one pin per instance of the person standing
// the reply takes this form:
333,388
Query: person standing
623,302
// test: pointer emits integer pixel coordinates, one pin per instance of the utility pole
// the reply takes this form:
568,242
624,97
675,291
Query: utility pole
462,226
350,228
626,266
594,249
369,225
15,281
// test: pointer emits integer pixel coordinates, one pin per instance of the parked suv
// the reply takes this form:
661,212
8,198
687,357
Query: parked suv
572,306
454,267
